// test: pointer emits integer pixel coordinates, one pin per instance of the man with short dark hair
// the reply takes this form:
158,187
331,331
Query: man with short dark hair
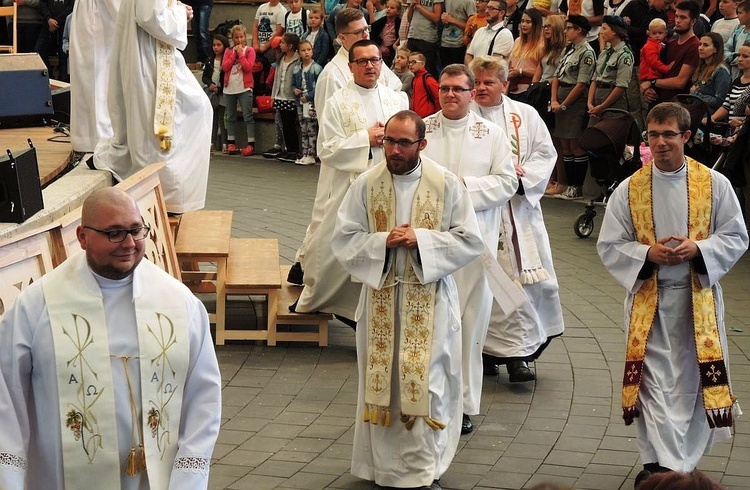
350,141
681,52
111,379
479,153
670,232
403,228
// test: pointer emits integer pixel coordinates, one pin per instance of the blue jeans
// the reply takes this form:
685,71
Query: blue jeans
246,103
201,34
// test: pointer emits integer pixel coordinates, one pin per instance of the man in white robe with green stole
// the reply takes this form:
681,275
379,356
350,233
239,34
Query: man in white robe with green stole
670,232
108,375
349,141
351,27
516,338
158,109
478,152
403,228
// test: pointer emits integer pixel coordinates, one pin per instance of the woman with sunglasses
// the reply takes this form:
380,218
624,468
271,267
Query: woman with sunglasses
568,101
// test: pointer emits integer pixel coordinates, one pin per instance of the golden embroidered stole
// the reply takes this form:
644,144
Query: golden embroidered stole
717,398
85,384
166,92
415,304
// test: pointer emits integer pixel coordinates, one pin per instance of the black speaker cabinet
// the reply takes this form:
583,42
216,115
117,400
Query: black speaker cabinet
25,95
20,189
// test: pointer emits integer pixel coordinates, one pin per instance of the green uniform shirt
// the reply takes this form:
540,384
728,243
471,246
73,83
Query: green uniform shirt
577,65
615,66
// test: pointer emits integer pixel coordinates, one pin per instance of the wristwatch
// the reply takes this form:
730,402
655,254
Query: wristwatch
653,83
563,107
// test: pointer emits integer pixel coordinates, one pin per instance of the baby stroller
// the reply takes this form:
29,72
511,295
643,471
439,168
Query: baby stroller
700,147
605,143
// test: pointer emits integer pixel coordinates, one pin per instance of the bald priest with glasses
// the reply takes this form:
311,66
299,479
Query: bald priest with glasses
108,376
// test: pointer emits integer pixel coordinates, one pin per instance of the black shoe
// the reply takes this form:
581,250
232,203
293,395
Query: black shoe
293,307
295,275
272,152
435,486
641,476
288,156
490,365
466,425
519,372
346,321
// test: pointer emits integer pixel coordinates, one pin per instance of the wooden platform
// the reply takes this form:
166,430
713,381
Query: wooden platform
52,156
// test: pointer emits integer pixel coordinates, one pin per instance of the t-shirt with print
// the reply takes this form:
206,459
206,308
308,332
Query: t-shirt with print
460,9
421,27
294,23
268,18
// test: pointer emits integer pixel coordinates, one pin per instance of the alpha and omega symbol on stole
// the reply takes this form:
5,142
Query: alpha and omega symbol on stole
478,130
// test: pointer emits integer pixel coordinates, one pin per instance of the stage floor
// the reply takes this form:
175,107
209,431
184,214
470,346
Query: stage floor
52,155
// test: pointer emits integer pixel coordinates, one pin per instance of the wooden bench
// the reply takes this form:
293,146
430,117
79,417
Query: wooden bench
203,236
287,296
253,269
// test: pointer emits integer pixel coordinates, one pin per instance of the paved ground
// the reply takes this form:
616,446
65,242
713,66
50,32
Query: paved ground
288,410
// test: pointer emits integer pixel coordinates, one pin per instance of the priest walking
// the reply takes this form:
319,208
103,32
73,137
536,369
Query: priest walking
403,228
478,152
515,338
108,376
671,231
350,141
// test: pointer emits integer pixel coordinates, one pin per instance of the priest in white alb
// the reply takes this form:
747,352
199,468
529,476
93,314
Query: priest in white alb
159,111
350,140
671,231
403,228
478,152
514,339
91,40
108,375
351,27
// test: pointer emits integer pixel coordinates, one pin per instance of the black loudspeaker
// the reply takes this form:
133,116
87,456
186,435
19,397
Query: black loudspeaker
25,95
20,189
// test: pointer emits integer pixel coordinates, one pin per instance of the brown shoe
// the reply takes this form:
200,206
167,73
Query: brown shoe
555,189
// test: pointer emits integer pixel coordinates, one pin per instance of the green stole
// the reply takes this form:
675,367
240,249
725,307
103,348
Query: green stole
717,398
85,384
415,304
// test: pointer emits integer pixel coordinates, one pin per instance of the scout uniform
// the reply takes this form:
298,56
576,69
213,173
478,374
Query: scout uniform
614,68
576,66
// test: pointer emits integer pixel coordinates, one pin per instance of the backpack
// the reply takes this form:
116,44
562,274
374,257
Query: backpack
427,90
226,26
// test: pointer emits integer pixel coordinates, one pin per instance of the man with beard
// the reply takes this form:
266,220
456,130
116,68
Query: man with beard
403,228
681,53
478,152
349,142
518,337
494,39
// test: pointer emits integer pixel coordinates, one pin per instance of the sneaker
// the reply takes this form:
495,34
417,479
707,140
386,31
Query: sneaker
247,151
572,192
232,149
308,160
272,152
296,275
288,156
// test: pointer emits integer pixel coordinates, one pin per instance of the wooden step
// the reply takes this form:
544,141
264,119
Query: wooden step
287,296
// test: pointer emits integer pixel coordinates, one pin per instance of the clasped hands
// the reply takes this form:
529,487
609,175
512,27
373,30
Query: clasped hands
188,10
402,236
662,254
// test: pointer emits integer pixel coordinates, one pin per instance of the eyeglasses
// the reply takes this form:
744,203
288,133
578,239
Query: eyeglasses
414,62
491,8
117,236
403,144
667,135
567,28
362,62
359,32
547,26
455,90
